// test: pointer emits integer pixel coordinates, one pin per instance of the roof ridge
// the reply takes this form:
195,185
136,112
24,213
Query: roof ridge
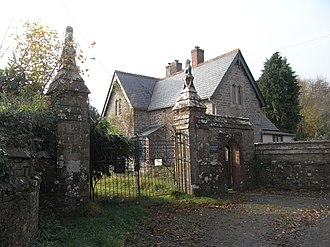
151,77
220,56
207,61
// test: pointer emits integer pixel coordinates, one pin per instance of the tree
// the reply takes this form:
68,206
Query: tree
279,86
37,55
315,109
11,80
108,149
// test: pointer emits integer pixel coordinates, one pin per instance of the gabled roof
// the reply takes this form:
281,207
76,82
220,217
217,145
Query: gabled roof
150,93
207,78
266,124
150,130
137,88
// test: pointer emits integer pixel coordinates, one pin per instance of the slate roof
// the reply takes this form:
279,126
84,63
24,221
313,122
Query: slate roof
138,88
266,124
150,130
207,77
149,93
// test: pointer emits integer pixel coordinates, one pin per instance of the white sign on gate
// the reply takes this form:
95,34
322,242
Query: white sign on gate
158,162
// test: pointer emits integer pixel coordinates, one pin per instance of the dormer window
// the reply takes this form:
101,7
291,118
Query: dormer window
118,107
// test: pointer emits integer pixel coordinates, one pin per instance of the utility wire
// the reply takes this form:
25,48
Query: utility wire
4,38
305,42
295,45
86,42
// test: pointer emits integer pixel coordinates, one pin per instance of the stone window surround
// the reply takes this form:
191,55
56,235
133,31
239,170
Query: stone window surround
236,94
118,107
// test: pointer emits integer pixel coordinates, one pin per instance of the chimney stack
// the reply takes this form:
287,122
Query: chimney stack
197,56
173,67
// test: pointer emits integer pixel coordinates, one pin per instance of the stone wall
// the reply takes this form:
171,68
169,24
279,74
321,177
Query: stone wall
141,121
216,153
161,117
124,120
214,171
19,204
294,165
250,107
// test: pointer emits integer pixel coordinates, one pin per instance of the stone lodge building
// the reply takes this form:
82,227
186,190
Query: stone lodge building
141,105
210,110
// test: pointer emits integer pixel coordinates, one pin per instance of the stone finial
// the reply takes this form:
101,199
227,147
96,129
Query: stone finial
188,78
68,34
68,58
68,77
188,97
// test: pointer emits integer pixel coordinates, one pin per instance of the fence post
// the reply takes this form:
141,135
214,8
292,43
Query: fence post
69,95
137,164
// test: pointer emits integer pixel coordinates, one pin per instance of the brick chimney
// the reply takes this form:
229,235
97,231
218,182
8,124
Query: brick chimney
173,67
197,56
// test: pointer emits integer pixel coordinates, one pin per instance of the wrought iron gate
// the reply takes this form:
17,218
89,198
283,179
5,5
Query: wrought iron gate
182,167
151,171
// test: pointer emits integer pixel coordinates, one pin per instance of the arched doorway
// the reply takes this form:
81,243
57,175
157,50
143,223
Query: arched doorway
232,161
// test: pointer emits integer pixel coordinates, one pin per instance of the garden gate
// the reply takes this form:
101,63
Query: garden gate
150,170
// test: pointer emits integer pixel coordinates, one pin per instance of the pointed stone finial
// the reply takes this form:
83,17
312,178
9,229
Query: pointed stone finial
68,58
68,34
68,77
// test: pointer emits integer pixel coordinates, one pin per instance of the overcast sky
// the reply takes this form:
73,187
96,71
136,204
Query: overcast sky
142,36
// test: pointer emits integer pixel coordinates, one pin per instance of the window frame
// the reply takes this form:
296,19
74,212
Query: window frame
236,94
233,94
118,107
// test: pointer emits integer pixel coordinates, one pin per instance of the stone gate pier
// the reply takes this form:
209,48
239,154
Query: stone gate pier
214,153
70,99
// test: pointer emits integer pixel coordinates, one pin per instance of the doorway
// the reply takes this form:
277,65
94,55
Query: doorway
232,161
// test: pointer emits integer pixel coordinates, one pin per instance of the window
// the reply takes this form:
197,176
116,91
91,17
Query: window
239,95
236,95
214,109
118,107
233,94
277,138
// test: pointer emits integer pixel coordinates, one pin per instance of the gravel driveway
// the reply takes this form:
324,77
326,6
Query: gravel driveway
256,219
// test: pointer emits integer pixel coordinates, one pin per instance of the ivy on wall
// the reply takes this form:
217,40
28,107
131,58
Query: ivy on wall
7,173
27,123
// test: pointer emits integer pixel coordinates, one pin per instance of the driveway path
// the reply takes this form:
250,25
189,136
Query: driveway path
257,219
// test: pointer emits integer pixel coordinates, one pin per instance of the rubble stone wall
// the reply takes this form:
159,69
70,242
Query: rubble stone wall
294,165
19,205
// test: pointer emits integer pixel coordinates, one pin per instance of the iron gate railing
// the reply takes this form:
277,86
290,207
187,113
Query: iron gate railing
150,172
182,167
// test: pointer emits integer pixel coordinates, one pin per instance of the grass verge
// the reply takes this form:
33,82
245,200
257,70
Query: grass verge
106,223
95,224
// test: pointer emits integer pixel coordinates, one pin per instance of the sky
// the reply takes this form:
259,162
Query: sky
143,36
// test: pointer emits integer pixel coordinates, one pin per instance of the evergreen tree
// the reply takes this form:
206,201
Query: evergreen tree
280,88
